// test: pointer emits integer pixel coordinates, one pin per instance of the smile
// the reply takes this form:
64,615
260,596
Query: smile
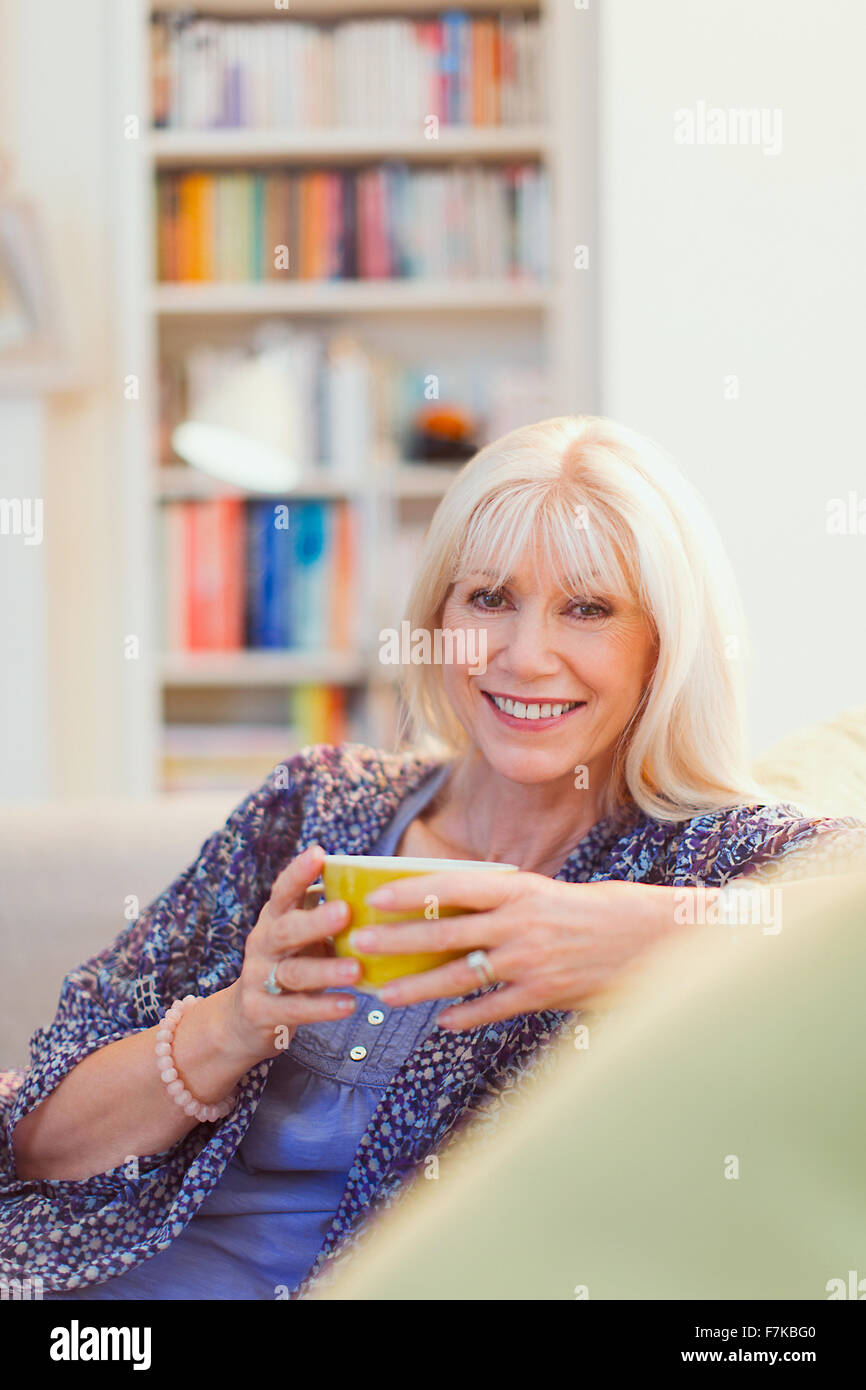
535,712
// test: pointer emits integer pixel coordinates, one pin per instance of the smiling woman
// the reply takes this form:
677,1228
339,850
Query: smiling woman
599,578
236,1146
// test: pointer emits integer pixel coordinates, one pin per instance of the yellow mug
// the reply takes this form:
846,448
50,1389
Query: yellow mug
350,877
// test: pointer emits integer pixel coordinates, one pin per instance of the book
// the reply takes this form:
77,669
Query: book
388,220
214,566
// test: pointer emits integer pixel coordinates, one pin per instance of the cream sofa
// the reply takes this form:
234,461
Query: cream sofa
68,869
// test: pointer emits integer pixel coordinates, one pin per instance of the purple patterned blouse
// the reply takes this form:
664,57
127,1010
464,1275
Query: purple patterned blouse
190,940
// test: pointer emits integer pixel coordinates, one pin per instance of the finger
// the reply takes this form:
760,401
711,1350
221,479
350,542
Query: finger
297,929
304,973
319,948
299,1008
291,884
453,978
477,888
459,933
509,1002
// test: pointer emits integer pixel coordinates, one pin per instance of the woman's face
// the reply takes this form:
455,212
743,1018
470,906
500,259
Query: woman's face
543,650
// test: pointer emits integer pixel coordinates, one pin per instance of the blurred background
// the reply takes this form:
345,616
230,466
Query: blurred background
309,257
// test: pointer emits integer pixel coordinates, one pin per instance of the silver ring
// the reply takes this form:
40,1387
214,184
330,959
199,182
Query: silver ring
271,986
479,961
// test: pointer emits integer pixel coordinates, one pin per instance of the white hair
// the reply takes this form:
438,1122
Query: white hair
610,511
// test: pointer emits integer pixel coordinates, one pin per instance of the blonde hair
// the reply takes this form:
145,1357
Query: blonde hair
614,514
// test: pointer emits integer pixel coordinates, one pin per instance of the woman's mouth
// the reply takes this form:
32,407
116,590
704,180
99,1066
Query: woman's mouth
531,714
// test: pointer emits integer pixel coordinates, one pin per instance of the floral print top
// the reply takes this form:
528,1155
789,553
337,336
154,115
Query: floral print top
190,940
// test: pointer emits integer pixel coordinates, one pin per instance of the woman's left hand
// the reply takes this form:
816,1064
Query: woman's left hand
553,944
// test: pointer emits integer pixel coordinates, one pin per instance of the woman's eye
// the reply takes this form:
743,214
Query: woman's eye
596,610
588,610
484,594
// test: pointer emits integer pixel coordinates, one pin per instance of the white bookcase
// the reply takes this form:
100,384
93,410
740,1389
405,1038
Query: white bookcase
554,324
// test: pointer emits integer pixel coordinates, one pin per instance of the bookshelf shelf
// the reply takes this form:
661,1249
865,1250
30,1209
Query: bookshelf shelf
520,328
172,148
335,9
176,482
349,297
258,668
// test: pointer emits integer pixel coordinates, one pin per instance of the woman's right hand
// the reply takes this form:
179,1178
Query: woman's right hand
297,942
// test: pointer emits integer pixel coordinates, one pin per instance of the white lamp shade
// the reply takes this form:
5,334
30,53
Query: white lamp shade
245,430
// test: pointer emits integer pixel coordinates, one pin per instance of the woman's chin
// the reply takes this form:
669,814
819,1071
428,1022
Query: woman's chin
529,765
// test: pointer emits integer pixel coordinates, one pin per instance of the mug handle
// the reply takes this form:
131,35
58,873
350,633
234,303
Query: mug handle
314,895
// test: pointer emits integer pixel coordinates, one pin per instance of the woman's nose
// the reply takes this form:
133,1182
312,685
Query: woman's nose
530,645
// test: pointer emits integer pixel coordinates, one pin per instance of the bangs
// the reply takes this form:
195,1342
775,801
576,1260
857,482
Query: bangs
582,546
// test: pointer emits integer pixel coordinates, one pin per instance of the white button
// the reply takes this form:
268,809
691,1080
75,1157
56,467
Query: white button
358,1054
375,1016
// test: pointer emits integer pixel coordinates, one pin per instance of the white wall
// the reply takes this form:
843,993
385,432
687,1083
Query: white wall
54,124
723,260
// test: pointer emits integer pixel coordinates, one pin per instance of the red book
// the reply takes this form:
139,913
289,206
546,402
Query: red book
343,560
362,233
337,715
428,36
215,574
231,556
381,266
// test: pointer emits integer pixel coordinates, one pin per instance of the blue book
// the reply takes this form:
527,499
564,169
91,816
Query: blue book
269,561
455,24
308,597
256,521
278,625
396,184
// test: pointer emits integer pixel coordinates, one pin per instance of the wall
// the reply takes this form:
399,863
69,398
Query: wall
723,261
53,103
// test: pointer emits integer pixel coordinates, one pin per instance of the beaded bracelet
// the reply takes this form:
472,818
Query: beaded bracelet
169,1073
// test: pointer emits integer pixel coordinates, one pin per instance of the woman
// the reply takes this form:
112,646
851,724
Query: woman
579,557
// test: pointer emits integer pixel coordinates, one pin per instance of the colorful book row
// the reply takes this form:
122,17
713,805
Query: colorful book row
204,757
389,220
240,574
375,72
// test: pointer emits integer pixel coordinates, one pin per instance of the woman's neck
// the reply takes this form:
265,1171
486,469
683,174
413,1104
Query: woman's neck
479,813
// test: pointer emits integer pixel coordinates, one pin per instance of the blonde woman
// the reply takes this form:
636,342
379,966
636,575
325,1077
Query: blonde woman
598,746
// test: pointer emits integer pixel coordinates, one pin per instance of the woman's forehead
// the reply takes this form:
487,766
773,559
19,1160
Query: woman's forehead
543,575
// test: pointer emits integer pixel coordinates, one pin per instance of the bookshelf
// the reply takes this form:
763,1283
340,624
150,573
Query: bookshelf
495,297
512,324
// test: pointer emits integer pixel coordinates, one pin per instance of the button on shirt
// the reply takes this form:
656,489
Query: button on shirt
259,1230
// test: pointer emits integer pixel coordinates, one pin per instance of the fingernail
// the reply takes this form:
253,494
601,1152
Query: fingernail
346,1006
336,912
380,897
363,939
347,969
311,852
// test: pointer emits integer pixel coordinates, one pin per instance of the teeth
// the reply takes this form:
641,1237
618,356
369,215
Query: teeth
519,710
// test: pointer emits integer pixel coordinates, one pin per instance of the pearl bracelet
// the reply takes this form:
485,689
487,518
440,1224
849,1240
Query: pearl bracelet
169,1073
